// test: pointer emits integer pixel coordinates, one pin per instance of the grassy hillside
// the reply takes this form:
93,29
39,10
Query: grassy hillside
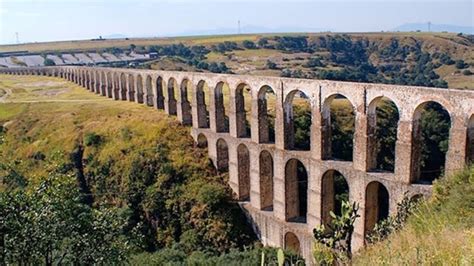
439,232
131,156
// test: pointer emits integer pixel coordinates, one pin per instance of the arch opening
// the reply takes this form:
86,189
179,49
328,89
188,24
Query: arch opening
171,97
187,118
266,115
222,156
221,104
116,78
139,89
243,109
96,81
430,142
160,98
338,127
103,84
202,141
296,191
243,161
131,88
376,205
470,141
266,181
201,104
292,242
334,190
297,121
123,87
382,126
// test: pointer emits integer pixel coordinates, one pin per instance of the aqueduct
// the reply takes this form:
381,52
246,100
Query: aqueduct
287,191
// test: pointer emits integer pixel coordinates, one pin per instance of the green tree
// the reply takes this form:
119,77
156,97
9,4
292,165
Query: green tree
49,62
249,44
48,224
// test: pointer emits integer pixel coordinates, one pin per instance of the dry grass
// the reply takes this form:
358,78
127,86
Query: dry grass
440,232
55,123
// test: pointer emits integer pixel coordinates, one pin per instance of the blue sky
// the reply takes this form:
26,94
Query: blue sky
49,20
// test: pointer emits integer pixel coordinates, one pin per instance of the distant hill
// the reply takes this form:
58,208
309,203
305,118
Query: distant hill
249,29
435,28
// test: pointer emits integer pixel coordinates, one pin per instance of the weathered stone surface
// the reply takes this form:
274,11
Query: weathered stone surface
260,171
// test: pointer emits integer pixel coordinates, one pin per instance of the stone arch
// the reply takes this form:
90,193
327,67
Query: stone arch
382,126
109,85
430,142
470,141
296,122
292,243
123,86
149,91
131,88
139,87
202,141
201,104
222,162
266,180
296,191
266,114
334,190
159,94
221,103
172,87
376,205
243,109
243,161
187,118
338,128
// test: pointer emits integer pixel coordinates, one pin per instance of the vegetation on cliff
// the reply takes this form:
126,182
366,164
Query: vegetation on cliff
117,162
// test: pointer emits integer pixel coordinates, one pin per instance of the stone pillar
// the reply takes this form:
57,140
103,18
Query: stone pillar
232,111
212,108
279,119
314,196
359,151
254,116
403,151
357,192
316,133
194,106
233,168
456,154
279,185
254,177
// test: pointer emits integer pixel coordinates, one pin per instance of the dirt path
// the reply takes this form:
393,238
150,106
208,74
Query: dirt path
7,92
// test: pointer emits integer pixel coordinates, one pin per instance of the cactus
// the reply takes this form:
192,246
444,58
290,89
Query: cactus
281,257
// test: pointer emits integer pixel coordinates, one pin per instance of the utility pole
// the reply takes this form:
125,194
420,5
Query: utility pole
429,26
17,38
238,26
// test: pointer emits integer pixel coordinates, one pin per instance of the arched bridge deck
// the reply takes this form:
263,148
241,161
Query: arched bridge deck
264,172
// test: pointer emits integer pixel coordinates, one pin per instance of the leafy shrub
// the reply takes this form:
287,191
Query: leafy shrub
271,65
249,44
460,64
49,62
467,72
92,139
338,234
393,223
